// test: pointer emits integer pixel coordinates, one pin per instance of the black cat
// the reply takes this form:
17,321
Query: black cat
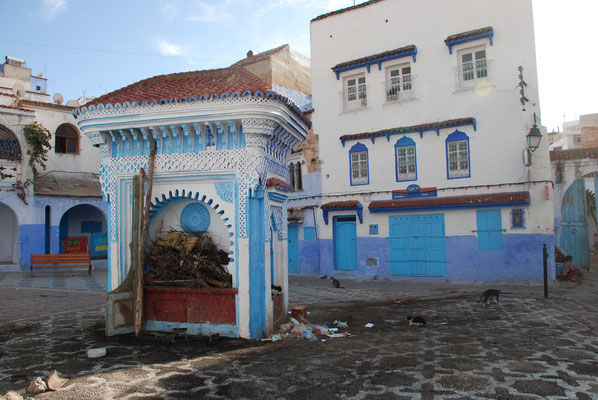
488,296
417,320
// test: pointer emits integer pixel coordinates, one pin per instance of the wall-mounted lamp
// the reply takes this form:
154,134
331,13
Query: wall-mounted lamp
533,142
534,137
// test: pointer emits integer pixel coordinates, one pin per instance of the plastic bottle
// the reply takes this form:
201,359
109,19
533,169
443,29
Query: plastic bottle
309,336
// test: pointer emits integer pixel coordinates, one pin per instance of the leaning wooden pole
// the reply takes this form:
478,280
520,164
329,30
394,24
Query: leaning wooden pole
143,240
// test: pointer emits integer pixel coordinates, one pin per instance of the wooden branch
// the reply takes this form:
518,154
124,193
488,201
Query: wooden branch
143,240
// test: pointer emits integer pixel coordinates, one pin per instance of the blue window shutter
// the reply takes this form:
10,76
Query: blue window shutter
309,233
489,230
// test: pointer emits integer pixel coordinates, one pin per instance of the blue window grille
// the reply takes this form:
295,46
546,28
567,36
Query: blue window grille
359,165
457,156
489,223
405,160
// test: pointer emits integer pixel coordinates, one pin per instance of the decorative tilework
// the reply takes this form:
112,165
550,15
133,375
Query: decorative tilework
224,190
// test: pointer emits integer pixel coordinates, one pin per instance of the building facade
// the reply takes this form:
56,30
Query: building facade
426,171
60,209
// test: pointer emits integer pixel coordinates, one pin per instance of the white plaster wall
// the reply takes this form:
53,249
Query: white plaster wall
496,146
88,158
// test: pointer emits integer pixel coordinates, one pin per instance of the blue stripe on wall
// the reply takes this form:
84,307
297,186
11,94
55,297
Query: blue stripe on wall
519,261
257,284
31,241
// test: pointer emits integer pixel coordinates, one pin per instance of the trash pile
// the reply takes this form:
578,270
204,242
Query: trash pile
183,260
38,385
299,326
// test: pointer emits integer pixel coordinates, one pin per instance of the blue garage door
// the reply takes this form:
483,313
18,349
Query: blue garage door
417,245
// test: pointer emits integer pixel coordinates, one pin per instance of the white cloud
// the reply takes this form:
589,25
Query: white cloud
169,8
52,8
203,12
167,48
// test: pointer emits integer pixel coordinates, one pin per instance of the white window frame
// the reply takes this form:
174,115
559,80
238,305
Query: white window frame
399,86
359,168
407,161
355,92
460,159
474,70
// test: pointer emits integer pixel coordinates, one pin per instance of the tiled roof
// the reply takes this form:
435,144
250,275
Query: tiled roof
477,200
279,184
468,34
573,154
343,10
433,126
340,204
190,86
375,57
259,56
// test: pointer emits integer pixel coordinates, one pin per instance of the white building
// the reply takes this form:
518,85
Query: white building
63,202
423,173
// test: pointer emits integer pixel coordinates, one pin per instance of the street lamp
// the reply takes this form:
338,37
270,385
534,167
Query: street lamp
534,137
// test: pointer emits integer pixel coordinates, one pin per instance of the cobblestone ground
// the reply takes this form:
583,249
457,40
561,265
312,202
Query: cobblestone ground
524,348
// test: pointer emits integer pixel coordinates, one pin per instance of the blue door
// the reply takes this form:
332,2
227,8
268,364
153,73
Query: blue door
345,243
293,249
574,226
417,245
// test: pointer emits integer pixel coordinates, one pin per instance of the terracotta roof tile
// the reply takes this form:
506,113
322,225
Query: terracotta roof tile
344,10
375,57
468,34
340,204
413,128
279,184
452,202
260,56
185,86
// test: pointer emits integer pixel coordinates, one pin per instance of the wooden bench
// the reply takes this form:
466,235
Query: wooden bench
61,261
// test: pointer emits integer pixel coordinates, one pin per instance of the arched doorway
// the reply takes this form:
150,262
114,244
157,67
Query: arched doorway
577,228
9,235
83,229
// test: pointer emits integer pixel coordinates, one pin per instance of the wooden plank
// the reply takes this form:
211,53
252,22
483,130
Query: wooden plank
62,265
36,258
142,243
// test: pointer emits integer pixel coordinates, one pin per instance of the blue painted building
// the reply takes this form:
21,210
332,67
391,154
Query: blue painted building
223,138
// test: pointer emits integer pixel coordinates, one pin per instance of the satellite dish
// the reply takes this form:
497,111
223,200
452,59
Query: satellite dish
72,103
58,99
18,90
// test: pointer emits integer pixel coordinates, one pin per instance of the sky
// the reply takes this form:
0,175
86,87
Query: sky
96,47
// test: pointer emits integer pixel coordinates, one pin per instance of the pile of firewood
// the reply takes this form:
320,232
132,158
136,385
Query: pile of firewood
187,260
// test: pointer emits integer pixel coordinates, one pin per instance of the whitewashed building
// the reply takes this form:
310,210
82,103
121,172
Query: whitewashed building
426,172
60,207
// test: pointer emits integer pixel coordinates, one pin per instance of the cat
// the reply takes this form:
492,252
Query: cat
417,320
276,290
489,295
335,283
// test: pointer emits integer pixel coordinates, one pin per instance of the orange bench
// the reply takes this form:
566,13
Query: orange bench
61,261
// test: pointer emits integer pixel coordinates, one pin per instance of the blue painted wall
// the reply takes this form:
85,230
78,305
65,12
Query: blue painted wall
520,261
31,241
257,284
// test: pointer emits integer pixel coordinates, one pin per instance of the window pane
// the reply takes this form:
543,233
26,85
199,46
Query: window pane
361,81
395,72
354,156
71,146
60,145
466,58
363,155
351,82
480,54
406,70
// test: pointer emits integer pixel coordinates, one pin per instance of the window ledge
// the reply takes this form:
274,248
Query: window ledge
391,103
352,110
